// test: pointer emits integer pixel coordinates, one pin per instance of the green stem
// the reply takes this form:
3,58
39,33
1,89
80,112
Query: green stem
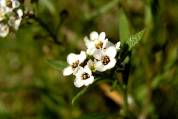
125,100
47,29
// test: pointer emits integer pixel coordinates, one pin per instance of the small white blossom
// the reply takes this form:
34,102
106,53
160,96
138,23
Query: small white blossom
106,59
74,61
118,44
96,42
4,30
14,21
10,16
84,77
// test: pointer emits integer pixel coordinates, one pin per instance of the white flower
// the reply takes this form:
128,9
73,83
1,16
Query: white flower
106,59
74,61
10,16
118,44
84,77
11,4
96,42
15,21
4,30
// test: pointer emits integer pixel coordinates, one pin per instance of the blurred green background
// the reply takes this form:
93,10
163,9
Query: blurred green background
31,89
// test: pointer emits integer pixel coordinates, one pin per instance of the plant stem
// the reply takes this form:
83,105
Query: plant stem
47,29
125,100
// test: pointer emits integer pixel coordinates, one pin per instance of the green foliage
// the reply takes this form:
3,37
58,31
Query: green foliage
57,64
124,32
32,59
135,39
76,97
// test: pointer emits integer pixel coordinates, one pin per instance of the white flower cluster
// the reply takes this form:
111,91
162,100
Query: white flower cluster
10,16
100,56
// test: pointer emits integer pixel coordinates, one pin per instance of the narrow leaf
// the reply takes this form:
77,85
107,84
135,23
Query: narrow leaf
59,65
79,94
124,32
135,39
48,4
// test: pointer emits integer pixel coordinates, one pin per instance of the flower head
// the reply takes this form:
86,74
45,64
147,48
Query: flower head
96,42
10,16
74,61
105,59
84,77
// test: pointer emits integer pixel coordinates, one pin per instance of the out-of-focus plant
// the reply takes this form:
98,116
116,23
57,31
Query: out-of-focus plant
131,73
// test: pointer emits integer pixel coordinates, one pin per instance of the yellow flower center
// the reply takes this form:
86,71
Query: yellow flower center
105,60
98,44
75,64
85,76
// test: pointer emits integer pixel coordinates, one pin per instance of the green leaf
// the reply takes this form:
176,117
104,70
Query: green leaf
59,65
49,5
80,93
135,39
124,32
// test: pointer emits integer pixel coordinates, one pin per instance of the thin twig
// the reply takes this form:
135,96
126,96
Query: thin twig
47,29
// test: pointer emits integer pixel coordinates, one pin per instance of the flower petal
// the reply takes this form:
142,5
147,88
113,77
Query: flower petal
71,58
87,69
93,35
88,81
111,64
67,71
111,52
20,13
4,30
15,4
108,44
82,57
98,54
78,83
99,66
118,44
102,36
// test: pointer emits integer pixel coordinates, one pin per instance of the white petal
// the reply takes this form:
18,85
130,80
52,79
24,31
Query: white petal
98,54
87,69
111,64
78,83
78,71
118,44
2,3
4,30
82,56
20,12
15,3
87,42
102,36
99,66
88,81
67,71
111,52
107,43
93,35
91,51
17,24
71,58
